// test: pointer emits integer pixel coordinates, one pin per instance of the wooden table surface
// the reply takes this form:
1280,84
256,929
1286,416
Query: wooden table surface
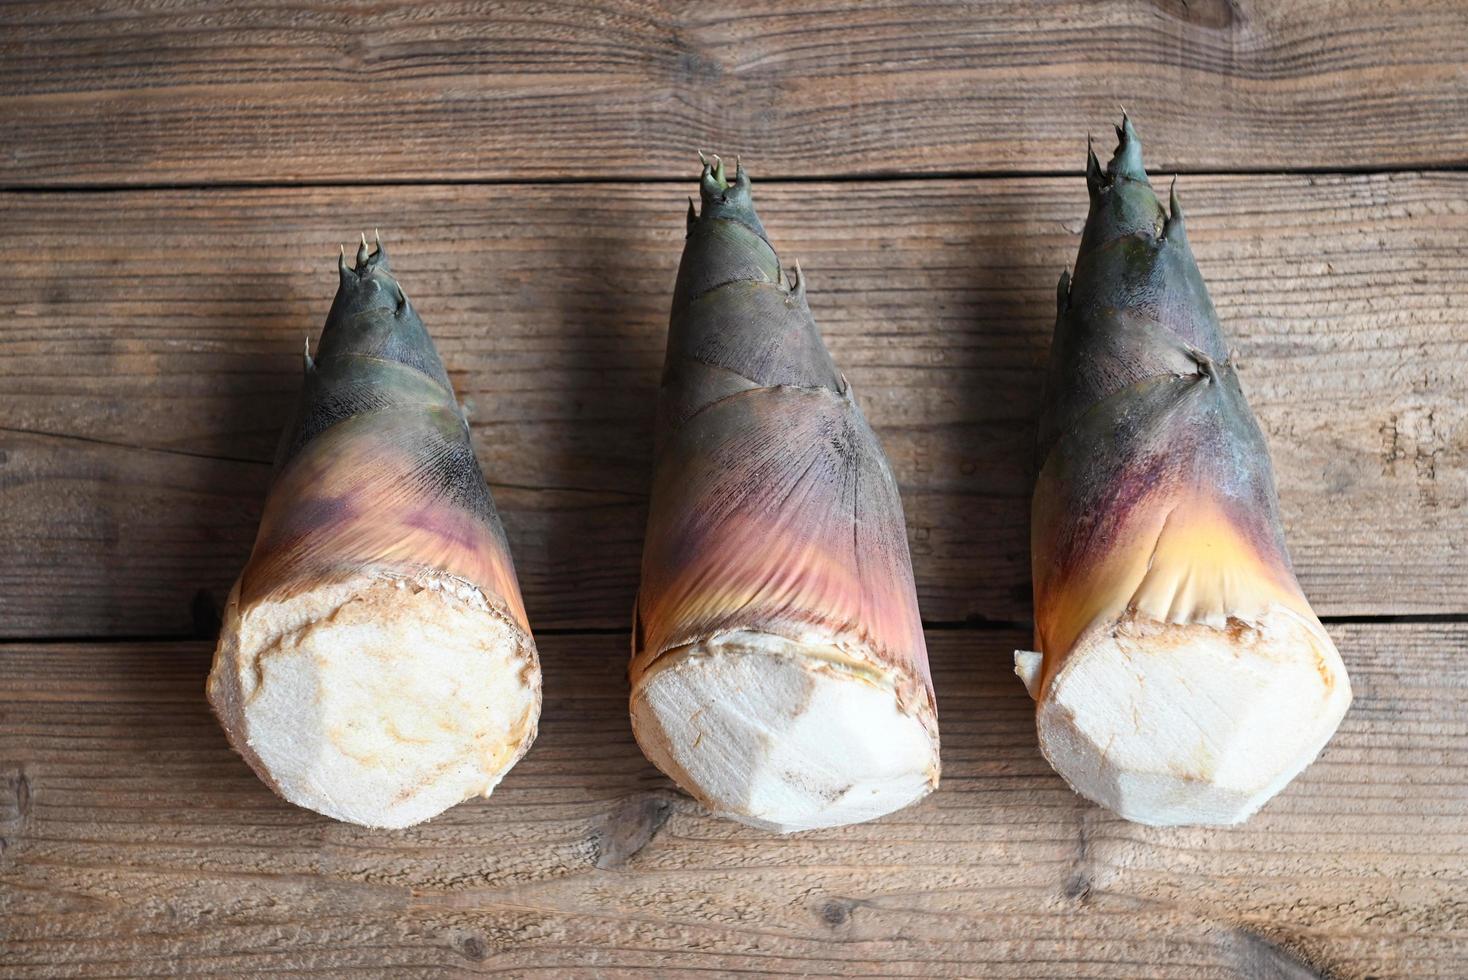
174,181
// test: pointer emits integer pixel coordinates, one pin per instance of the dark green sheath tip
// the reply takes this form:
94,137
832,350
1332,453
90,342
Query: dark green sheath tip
375,356
1141,395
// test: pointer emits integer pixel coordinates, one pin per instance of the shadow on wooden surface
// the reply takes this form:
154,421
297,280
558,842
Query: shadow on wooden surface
583,532
238,400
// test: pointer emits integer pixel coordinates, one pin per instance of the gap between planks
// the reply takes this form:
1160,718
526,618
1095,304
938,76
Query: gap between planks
1158,172
929,626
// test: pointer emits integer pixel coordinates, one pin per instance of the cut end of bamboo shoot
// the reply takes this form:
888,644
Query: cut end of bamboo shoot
1169,723
785,736
379,700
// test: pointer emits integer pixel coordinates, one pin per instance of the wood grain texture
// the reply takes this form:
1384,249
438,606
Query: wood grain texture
150,353
271,91
135,842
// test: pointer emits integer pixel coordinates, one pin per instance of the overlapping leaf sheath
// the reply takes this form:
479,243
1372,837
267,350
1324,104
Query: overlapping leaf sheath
1157,547
375,663
376,468
773,511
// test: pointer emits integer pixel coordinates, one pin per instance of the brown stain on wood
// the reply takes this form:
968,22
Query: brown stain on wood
1217,15
630,827
15,809
1257,955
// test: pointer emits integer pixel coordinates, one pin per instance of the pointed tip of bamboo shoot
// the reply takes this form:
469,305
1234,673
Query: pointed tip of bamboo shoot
715,185
378,701
1095,179
783,736
1127,160
1174,230
1170,724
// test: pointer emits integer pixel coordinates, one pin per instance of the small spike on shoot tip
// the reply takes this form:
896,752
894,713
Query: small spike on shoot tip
715,178
1127,160
1094,177
797,281
1173,227
362,253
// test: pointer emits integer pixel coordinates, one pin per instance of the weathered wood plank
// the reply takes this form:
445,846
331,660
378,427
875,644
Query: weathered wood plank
135,842
274,91
149,355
